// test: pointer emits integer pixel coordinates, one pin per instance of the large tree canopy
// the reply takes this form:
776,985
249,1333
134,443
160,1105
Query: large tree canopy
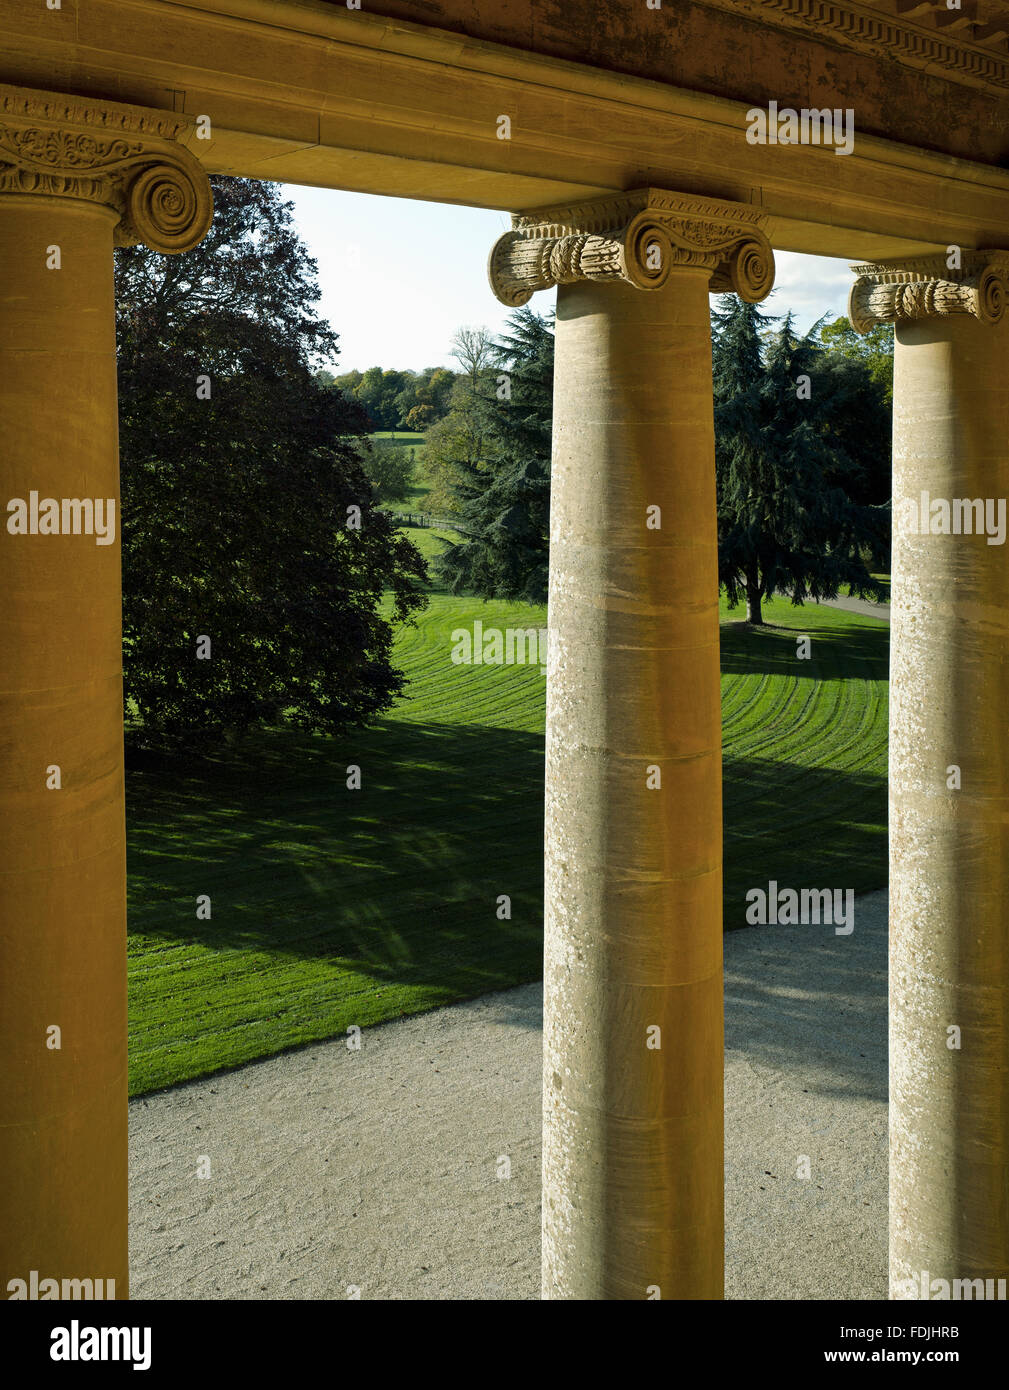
794,429
254,559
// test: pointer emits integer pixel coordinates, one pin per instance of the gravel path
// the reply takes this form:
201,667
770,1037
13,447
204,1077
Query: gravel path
867,607
383,1170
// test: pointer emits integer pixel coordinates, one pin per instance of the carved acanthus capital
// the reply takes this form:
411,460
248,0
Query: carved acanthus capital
895,291
636,237
123,157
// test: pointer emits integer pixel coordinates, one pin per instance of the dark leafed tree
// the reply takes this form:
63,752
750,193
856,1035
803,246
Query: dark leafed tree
254,559
860,424
789,516
503,493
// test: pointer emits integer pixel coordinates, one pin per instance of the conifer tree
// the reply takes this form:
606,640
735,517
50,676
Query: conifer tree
503,495
788,518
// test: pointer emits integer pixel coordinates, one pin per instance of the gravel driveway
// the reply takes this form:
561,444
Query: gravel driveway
410,1168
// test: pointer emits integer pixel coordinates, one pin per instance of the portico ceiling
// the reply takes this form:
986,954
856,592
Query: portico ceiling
403,98
979,24
966,40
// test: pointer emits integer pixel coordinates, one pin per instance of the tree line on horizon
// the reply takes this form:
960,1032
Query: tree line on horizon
802,458
394,399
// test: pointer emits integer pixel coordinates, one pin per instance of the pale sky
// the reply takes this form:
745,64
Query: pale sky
399,277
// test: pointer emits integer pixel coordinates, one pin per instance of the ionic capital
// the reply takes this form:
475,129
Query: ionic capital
636,237
895,291
124,157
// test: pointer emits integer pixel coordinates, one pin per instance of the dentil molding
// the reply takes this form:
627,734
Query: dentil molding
881,34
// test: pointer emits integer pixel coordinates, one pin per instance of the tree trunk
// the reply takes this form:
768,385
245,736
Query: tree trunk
753,597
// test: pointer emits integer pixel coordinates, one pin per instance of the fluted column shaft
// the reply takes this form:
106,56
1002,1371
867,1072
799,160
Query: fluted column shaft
62,851
73,177
949,848
632,1165
633,1087
949,785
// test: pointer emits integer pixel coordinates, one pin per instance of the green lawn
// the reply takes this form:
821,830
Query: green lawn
399,438
416,498
334,907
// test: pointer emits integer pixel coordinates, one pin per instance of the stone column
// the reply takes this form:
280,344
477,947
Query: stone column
74,178
632,1160
949,769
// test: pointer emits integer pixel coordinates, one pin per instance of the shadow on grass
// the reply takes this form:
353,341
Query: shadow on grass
844,652
399,878
402,877
802,827
334,907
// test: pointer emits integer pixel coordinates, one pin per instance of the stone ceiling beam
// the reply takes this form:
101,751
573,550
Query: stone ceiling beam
316,94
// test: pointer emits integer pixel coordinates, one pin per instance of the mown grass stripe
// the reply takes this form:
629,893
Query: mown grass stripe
333,908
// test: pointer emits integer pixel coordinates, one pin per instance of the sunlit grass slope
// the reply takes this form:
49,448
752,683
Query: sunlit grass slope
332,907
